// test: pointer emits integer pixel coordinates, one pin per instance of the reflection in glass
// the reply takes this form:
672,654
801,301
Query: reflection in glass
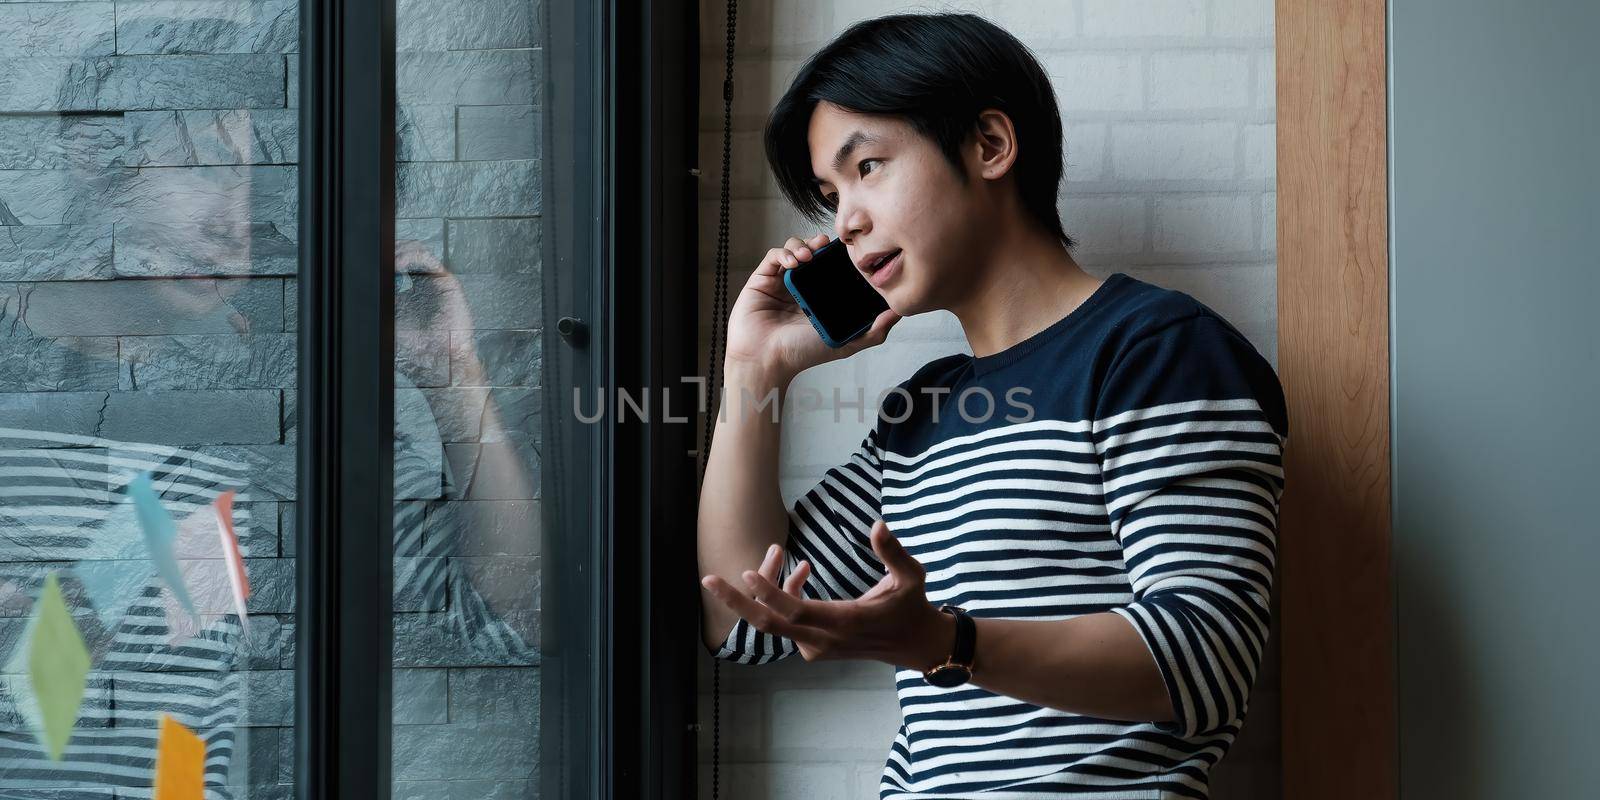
468,403
147,260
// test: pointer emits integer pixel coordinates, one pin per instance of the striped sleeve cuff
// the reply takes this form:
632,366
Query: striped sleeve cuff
746,645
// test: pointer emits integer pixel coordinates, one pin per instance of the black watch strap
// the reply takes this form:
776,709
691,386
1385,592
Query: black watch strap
966,636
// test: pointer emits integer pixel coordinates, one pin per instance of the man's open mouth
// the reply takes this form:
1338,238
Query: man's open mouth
881,260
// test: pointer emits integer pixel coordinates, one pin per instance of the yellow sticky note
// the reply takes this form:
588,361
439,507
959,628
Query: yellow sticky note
180,762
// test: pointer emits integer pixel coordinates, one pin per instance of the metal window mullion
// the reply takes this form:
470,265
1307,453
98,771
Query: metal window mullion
346,469
572,474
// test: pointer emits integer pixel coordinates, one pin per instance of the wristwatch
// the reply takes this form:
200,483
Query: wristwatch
957,668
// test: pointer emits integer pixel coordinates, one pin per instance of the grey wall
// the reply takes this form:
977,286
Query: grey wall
1494,120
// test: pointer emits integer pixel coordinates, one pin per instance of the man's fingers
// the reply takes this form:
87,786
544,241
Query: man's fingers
772,264
762,616
768,592
772,562
885,322
797,579
798,251
877,334
892,554
793,607
737,600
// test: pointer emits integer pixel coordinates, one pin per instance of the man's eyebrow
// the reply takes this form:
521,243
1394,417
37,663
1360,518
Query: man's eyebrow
850,142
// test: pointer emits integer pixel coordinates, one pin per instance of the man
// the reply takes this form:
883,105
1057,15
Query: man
1092,495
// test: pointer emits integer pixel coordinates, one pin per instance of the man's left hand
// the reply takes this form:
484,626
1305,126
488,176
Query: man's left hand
892,622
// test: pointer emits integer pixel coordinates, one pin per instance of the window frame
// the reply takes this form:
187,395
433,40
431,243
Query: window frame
623,689
343,608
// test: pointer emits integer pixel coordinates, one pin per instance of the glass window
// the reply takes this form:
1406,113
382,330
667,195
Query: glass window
148,254
469,378
151,241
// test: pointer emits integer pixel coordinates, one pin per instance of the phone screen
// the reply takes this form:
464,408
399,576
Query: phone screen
837,295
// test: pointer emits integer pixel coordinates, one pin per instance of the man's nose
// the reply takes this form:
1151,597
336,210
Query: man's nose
850,225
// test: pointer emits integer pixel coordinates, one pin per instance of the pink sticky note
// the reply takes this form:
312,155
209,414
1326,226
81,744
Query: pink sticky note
230,554
211,563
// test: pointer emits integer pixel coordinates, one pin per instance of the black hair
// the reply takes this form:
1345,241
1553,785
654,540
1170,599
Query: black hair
937,72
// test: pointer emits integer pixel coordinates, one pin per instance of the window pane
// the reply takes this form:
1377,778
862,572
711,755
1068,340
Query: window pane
148,210
468,399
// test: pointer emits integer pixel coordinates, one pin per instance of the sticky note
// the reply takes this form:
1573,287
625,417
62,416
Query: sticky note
180,762
231,555
53,667
159,533
210,557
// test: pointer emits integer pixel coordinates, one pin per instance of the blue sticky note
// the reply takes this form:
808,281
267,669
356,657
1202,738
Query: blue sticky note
160,531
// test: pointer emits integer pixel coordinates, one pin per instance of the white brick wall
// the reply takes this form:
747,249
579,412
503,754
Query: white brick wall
1144,18
1169,111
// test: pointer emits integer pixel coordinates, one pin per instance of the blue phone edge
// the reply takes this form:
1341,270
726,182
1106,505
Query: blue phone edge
788,283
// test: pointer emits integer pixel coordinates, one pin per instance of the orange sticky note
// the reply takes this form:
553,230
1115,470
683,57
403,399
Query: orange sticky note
180,762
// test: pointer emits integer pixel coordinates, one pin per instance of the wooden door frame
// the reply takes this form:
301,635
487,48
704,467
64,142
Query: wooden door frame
1339,732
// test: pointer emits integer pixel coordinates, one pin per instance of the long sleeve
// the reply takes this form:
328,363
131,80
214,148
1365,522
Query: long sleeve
428,571
1190,426
828,526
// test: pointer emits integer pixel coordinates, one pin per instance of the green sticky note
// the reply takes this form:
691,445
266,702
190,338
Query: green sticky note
53,665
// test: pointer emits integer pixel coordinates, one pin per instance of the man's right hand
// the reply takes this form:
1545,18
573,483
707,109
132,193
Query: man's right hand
767,329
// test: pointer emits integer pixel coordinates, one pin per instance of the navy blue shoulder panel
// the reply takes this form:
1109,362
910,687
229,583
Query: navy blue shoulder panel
1131,345
1200,356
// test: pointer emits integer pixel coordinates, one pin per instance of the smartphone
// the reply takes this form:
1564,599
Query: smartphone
834,295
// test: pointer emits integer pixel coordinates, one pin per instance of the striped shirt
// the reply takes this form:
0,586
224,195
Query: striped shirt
1132,464
62,497
64,507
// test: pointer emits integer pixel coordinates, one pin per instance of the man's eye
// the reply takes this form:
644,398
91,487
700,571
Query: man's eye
867,161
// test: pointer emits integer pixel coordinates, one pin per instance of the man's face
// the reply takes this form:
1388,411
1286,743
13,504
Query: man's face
894,190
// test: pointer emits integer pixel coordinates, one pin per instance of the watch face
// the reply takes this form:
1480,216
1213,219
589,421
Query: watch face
948,676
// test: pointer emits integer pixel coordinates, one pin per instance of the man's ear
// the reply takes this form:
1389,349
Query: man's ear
994,148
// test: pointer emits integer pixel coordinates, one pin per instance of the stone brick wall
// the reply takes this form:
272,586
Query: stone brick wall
1169,113
148,261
